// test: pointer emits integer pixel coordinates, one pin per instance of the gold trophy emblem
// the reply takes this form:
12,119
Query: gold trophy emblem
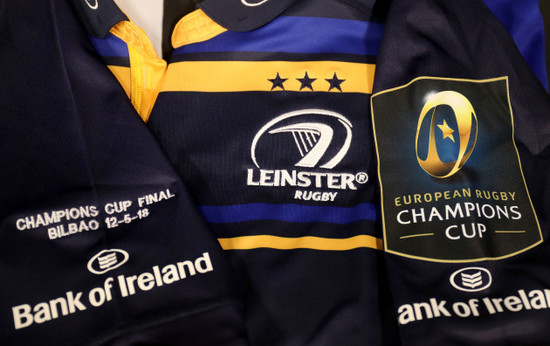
466,121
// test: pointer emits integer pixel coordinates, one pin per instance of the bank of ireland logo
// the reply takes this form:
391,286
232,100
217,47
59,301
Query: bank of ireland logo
107,260
471,279
321,138
446,133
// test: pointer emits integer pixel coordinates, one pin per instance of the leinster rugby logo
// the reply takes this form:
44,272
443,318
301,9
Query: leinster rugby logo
312,143
459,138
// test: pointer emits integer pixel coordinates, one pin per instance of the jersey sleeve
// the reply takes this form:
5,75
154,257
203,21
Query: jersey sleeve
100,241
463,124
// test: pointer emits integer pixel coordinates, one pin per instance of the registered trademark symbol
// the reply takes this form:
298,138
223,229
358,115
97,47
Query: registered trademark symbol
361,177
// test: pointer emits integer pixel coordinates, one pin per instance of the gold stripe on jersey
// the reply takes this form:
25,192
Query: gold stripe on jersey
290,243
122,73
146,68
238,76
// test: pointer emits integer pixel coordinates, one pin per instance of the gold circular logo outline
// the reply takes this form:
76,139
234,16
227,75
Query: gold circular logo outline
463,111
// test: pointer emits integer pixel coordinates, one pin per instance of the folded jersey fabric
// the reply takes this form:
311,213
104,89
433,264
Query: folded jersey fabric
101,244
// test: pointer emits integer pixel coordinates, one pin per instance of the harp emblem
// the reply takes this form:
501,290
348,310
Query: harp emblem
313,132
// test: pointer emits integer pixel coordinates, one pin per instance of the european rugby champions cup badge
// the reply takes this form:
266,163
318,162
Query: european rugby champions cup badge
451,179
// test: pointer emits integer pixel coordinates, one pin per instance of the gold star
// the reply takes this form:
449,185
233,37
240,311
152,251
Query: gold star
447,131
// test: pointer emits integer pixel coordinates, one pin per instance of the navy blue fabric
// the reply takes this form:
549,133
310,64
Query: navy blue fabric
98,15
463,39
525,23
71,142
244,15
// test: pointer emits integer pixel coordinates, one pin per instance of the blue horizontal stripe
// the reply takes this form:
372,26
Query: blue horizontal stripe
298,35
289,212
110,46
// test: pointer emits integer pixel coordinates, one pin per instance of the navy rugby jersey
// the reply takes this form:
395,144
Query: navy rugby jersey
100,242
263,110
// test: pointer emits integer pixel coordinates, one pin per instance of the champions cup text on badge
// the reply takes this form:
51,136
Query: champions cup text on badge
451,179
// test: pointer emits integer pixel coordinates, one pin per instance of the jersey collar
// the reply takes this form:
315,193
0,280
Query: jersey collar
99,16
244,15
